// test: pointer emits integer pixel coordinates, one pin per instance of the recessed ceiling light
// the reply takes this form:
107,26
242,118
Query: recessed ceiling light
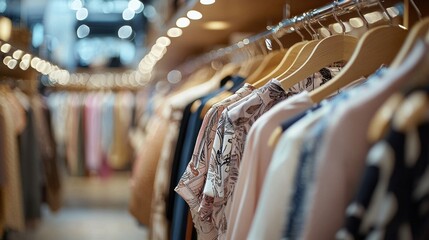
81,14
207,2
216,25
174,32
194,15
163,41
183,22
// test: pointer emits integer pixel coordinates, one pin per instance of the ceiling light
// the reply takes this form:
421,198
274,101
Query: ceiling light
135,5
24,65
12,63
216,25
128,14
17,54
6,60
174,76
207,2
125,32
34,62
81,14
194,15
5,48
163,41
183,22
76,4
83,31
26,57
174,32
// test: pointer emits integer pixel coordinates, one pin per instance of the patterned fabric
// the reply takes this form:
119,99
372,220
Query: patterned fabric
317,79
225,157
191,184
394,193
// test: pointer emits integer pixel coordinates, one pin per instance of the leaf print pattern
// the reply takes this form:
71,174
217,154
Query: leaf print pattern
191,184
227,152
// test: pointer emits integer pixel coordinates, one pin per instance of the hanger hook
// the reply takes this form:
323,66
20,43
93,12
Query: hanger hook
330,33
306,27
361,16
316,35
274,34
419,13
385,11
334,9
263,49
297,29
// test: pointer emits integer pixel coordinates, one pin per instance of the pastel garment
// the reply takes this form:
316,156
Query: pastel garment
255,162
192,182
226,156
342,159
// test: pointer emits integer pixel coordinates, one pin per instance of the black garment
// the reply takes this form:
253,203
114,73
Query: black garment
394,191
30,167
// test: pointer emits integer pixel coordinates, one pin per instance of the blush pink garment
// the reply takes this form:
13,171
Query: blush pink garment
342,159
256,159
93,133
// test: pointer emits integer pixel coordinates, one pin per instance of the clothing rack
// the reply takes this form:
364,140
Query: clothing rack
289,25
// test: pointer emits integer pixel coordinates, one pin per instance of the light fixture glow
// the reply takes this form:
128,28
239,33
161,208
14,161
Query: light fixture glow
194,15
34,62
128,14
183,22
26,57
135,5
6,60
83,31
125,32
163,41
174,32
76,5
207,2
174,76
216,25
12,63
6,48
81,14
23,65
17,54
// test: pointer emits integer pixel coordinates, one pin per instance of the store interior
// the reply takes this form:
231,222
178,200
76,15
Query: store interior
214,119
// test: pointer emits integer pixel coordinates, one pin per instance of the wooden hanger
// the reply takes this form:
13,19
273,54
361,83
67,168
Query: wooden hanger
250,66
329,50
412,111
371,52
268,60
287,60
381,120
417,32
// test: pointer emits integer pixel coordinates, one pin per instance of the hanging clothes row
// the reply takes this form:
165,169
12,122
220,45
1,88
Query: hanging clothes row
102,122
29,170
274,147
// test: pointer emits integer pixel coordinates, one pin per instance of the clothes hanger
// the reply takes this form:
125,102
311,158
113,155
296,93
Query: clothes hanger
327,51
382,118
371,52
287,60
301,57
272,58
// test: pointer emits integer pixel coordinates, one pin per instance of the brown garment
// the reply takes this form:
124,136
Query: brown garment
48,154
13,206
120,153
159,228
145,169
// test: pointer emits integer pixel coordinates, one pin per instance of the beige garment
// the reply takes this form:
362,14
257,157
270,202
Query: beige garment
256,159
14,213
159,223
46,145
341,161
120,153
273,203
144,171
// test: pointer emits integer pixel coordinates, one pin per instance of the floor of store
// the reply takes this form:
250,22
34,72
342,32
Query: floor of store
93,209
